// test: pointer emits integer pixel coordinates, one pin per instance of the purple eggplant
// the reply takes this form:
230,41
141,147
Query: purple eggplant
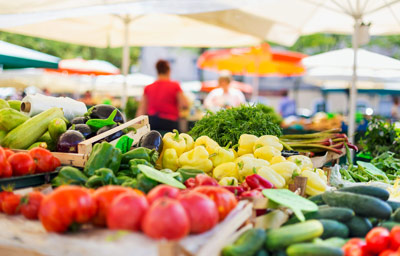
103,111
69,140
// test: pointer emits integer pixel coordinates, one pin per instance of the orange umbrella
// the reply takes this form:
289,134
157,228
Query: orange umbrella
86,67
208,86
259,61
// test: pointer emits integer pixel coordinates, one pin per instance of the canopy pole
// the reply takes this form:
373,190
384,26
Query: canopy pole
353,89
125,61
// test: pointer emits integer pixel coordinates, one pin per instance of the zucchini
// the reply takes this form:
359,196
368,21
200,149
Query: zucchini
358,226
333,241
366,206
296,233
332,213
317,199
3,134
396,215
38,145
333,228
310,249
380,193
11,118
395,205
30,131
56,127
389,224
4,104
247,244
51,145
15,104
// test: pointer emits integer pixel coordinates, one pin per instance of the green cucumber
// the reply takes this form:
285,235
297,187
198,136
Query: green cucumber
309,249
51,144
332,213
262,253
296,233
380,193
317,199
56,127
11,118
395,205
396,215
389,224
15,104
31,130
247,244
333,228
366,206
333,241
358,226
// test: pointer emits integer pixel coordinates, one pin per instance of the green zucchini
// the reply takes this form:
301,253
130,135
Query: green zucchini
309,249
15,104
395,205
333,228
56,127
296,233
333,241
317,199
247,244
358,226
11,118
380,193
4,104
332,213
30,131
366,206
3,134
389,224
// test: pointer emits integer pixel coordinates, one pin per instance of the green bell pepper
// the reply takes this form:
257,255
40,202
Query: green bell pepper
122,178
102,177
69,176
189,173
103,155
145,184
131,183
150,155
133,166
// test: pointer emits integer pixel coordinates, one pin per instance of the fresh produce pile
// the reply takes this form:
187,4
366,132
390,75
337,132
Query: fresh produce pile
226,126
346,213
258,157
330,140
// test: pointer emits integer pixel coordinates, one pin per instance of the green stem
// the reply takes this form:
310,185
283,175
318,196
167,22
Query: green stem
285,145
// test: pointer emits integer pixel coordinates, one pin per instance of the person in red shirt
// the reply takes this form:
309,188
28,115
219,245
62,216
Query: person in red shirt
162,100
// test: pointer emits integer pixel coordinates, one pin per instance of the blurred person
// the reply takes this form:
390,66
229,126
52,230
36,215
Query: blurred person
395,111
87,98
162,100
225,95
287,106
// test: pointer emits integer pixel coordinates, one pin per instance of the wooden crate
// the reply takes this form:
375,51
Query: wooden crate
141,124
20,236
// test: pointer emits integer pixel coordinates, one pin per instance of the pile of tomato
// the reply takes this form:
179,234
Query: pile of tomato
379,241
36,160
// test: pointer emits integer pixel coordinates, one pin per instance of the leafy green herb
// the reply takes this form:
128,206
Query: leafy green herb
227,125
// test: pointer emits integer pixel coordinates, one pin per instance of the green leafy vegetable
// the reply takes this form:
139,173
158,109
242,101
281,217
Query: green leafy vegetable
227,125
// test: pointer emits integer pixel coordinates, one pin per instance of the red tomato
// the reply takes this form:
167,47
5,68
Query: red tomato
66,207
11,204
395,238
162,191
30,205
166,218
389,252
43,159
56,163
9,153
7,170
354,247
223,198
22,164
127,211
104,197
3,161
201,210
3,195
378,239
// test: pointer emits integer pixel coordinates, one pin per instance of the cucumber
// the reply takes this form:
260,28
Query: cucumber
15,104
366,206
389,224
247,244
317,199
395,205
333,228
56,127
358,226
310,249
51,145
279,253
296,233
11,118
380,193
30,131
333,241
332,213
262,253
396,215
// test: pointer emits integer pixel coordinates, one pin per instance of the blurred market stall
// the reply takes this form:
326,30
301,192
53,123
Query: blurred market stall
86,67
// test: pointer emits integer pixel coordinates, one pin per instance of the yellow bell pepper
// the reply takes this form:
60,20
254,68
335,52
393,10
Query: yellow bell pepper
228,181
277,159
322,175
268,140
175,141
170,159
303,162
210,145
222,155
315,185
286,169
272,176
248,166
197,158
246,143
188,140
266,152
229,169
